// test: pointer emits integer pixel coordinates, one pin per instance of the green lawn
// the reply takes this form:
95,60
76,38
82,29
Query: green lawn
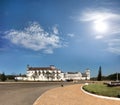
102,89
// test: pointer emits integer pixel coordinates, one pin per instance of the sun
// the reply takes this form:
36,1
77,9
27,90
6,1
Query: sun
101,26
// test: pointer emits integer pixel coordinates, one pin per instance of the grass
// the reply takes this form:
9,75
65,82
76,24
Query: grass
102,89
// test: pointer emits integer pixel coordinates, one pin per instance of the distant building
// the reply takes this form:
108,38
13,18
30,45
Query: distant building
20,78
77,75
50,73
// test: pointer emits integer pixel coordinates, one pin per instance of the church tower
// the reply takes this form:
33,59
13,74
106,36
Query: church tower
88,74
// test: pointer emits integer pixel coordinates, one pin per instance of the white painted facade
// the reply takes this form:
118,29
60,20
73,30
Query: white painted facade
77,75
21,78
51,73
43,73
73,76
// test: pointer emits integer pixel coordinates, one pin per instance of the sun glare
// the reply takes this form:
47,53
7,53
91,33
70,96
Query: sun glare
101,26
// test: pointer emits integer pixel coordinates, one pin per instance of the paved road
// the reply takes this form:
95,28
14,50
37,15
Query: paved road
23,93
72,95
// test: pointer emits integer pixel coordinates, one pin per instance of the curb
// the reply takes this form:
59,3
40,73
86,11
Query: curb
35,103
99,96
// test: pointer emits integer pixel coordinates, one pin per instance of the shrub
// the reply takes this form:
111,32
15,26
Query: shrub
118,96
3,77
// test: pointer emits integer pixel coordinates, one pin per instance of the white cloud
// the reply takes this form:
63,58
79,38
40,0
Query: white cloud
70,35
114,46
110,19
55,30
34,37
49,50
99,36
114,50
98,15
111,36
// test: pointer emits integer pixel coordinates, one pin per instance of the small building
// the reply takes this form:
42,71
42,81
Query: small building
73,76
20,78
50,73
77,75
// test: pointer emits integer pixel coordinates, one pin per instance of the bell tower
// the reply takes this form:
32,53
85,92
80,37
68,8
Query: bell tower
88,74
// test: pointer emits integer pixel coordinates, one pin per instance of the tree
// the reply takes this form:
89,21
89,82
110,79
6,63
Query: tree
10,77
99,78
39,73
35,75
53,75
3,77
48,75
58,76
113,76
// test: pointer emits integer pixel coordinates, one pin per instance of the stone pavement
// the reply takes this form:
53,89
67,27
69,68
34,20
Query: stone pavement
71,95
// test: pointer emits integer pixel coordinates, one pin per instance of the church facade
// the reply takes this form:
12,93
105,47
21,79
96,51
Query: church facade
50,73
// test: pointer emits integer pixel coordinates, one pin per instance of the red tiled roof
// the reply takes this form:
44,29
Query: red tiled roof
41,68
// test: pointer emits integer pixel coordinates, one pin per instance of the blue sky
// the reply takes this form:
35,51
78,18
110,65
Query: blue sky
71,34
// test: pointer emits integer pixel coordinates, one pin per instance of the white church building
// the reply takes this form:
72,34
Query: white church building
52,73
